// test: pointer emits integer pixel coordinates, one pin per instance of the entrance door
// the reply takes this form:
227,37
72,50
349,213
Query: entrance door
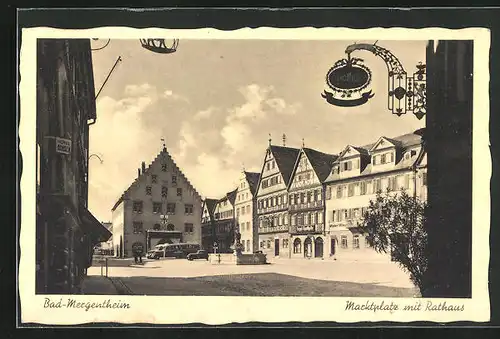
318,248
276,247
307,247
332,242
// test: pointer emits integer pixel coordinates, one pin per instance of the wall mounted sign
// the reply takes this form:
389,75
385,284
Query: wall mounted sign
349,80
63,146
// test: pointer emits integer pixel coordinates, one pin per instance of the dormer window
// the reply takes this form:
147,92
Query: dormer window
413,153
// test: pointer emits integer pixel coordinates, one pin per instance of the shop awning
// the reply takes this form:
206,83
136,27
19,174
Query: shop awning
93,227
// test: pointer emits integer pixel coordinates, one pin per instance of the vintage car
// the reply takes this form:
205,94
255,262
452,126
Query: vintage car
200,254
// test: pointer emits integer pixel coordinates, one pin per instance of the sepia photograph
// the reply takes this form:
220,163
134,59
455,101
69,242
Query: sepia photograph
278,167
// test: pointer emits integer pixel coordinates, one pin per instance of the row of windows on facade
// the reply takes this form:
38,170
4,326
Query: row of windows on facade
138,207
244,210
271,181
154,177
224,215
267,244
297,243
371,186
138,227
348,214
270,165
380,159
243,196
164,191
245,226
298,219
295,199
247,247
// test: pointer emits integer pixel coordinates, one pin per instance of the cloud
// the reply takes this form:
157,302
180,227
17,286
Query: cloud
136,90
122,142
169,94
213,151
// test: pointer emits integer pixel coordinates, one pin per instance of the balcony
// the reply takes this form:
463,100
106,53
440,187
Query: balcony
273,229
281,207
305,229
306,206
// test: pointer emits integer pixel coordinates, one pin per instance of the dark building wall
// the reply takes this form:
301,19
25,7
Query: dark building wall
65,105
448,141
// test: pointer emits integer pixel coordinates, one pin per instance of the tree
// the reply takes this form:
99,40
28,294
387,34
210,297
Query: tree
395,222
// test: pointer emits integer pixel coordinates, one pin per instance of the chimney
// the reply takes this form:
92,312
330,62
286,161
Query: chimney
138,172
143,167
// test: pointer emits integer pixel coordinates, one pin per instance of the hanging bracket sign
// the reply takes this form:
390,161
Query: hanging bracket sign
349,80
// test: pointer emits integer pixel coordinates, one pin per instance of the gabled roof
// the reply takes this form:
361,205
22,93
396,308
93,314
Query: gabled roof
403,142
210,204
285,160
395,142
320,162
231,196
253,180
361,150
163,153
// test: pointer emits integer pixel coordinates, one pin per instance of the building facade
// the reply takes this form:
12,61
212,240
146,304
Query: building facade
208,236
160,206
356,176
272,200
246,211
66,230
224,223
307,203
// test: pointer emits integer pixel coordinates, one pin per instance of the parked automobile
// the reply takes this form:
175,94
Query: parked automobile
153,254
200,254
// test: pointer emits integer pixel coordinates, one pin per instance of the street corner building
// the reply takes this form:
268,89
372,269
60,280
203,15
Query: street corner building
160,206
389,164
66,231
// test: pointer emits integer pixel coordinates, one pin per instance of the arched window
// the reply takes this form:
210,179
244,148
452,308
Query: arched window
280,220
285,221
276,220
297,246
157,227
170,227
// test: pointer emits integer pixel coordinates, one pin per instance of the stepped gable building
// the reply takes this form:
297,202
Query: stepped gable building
272,199
224,222
306,202
208,224
356,176
246,211
160,206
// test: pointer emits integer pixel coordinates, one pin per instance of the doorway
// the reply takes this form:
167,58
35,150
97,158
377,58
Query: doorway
332,246
318,247
307,247
276,247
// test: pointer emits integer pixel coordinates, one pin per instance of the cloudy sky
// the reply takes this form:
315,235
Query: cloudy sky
216,101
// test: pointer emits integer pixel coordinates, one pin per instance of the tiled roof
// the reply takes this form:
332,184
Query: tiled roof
231,196
210,203
321,162
403,142
285,159
253,180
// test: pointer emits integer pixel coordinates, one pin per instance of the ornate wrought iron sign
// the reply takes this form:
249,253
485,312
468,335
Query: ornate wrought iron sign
349,79
160,45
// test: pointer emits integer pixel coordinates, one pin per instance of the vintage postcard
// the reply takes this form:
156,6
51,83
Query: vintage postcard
257,175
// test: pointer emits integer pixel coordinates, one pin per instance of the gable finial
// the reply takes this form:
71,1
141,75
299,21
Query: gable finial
284,139
164,146
303,143
270,139
243,166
